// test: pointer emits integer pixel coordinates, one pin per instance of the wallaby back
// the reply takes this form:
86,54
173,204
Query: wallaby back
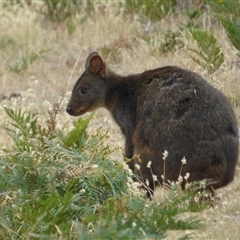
165,109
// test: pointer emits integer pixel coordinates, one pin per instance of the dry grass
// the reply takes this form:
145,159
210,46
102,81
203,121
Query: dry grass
55,71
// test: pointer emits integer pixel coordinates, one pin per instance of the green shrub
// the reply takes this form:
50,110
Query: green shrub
65,186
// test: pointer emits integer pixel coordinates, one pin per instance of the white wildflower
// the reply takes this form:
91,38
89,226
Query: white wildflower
187,176
137,166
134,225
184,160
180,179
165,154
155,178
149,164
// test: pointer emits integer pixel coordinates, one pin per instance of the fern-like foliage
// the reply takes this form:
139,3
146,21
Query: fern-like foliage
69,188
210,57
77,136
232,28
22,127
134,219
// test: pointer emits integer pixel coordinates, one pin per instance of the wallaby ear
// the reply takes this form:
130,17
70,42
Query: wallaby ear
95,64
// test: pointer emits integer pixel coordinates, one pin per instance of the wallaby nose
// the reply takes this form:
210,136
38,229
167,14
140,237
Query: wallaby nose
69,110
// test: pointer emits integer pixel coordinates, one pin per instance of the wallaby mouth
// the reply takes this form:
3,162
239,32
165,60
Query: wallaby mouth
75,112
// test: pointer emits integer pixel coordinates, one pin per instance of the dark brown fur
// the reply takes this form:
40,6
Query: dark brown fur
168,108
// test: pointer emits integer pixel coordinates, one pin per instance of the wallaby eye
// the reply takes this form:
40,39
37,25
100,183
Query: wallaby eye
83,90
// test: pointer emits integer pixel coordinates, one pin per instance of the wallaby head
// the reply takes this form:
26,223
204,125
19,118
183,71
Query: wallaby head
90,90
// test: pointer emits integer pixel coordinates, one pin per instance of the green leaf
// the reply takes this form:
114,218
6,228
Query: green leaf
77,135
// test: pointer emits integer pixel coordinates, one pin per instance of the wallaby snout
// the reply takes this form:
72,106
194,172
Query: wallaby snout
69,110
